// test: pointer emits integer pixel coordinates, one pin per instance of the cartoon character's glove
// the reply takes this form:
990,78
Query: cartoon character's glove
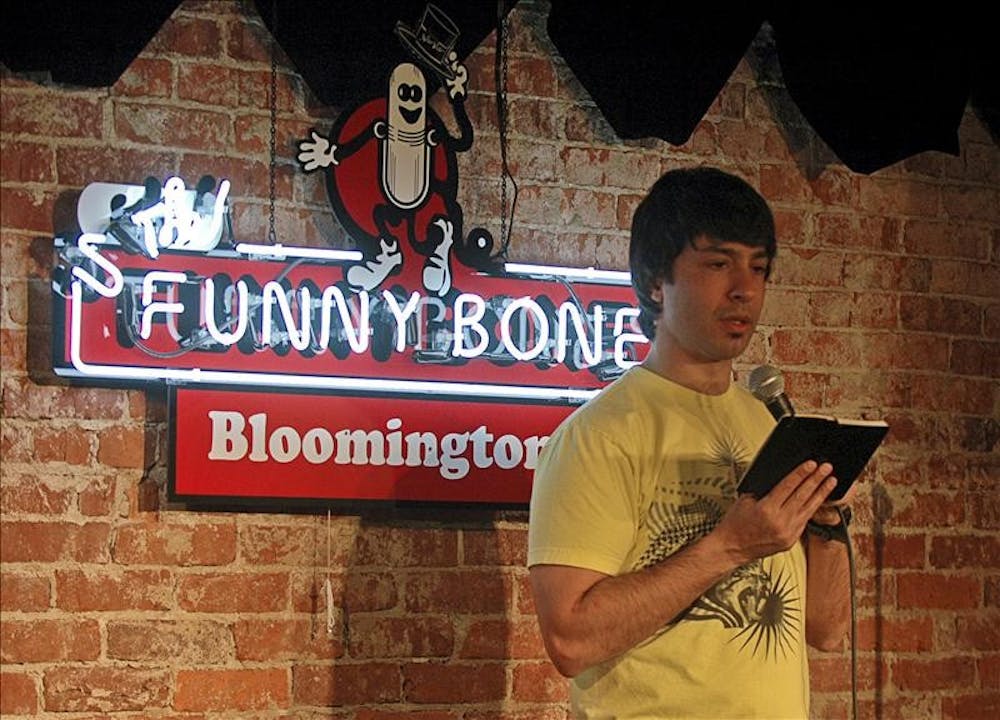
316,153
456,87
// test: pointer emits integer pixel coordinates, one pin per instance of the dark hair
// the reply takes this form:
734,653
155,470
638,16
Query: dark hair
682,206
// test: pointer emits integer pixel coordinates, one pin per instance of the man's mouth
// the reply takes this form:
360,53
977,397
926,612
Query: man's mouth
737,323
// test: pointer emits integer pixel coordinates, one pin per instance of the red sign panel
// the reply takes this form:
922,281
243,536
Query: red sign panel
230,446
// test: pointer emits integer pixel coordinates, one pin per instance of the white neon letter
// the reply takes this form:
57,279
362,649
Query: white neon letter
622,337
274,291
401,315
570,310
242,316
150,307
543,328
471,322
86,244
358,338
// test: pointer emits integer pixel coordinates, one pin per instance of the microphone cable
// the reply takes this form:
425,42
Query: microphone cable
845,519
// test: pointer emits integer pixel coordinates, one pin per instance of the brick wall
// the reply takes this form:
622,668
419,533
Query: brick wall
886,301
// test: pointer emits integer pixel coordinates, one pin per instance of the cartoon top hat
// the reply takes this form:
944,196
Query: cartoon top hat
433,39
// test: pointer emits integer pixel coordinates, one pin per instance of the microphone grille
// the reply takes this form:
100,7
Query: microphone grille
766,383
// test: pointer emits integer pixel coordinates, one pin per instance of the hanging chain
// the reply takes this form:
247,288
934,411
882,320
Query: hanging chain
501,71
271,235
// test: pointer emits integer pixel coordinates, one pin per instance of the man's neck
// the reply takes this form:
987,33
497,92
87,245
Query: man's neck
709,378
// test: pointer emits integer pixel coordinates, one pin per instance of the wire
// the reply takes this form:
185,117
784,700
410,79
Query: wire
845,519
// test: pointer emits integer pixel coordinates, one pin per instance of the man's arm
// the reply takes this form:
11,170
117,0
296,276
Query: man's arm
828,585
587,617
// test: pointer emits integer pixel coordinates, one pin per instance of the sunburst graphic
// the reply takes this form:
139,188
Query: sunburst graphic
776,621
730,453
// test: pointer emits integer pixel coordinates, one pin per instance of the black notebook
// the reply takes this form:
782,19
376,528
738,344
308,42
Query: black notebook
848,445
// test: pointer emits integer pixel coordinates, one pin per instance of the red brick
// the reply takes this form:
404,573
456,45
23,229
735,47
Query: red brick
939,314
24,592
371,591
588,208
896,635
173,642
62,444
220,690
435,682
980,632
937,591
173,127
54,541
27,209
80,166
27,494
248,41
974,706
890,196
834,349
254,91
975,357
965,552
12,350
946,240
188,36
388,637
539,682
808,267
984,509
988,668
963,277
287,545
51,115
945,393
895,351
783,183
98,497
497,546
146,77
248,177
105,689
20,694
457,592
929,509
976,204
271,640
404,547
208,84
897,551
865,273
32,641
175,544
935,674
113,589
121,446
26,162
501,639
457,714
233,592
346,684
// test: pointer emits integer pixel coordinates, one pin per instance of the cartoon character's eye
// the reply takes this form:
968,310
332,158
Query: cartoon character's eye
410,92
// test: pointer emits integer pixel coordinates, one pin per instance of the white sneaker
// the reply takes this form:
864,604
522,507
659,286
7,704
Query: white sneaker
369,274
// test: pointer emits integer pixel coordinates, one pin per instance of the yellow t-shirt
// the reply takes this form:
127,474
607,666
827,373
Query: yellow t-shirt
632,476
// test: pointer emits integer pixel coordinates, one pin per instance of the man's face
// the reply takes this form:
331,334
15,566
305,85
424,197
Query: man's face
712,306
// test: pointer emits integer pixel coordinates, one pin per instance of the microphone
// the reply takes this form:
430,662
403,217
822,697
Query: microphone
768,386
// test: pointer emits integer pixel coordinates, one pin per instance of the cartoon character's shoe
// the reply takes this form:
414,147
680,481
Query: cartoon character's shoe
437,269
369,274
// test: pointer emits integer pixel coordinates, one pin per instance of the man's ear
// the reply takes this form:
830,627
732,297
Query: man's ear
656,291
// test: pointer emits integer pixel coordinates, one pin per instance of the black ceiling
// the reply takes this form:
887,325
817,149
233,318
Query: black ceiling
875,89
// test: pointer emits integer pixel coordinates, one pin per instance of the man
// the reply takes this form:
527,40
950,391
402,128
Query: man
659,590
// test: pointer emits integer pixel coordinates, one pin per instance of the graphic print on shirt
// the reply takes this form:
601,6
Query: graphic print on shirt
758,602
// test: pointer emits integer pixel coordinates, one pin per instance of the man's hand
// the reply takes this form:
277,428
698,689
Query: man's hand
316,153
756,528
